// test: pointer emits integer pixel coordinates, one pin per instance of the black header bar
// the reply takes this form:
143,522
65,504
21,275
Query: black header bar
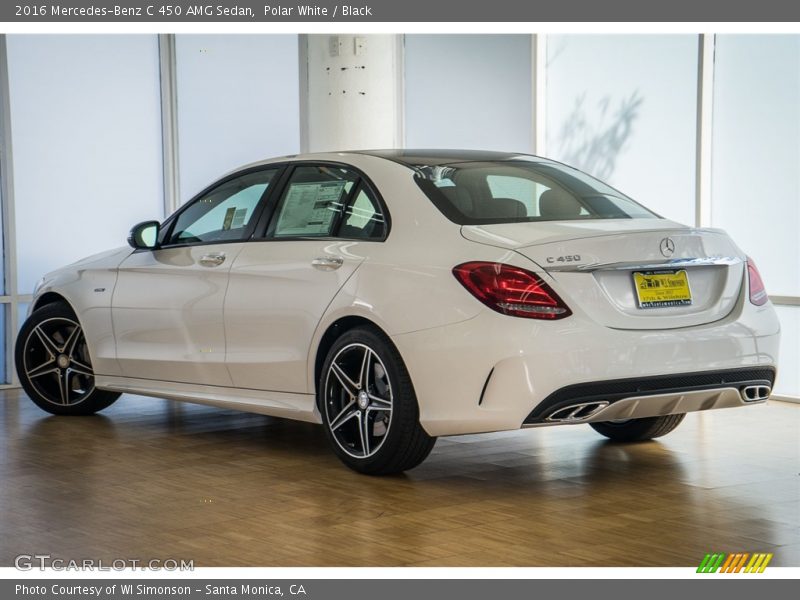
363,11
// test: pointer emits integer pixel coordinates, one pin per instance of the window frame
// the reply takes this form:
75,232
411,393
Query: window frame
168,225
263,230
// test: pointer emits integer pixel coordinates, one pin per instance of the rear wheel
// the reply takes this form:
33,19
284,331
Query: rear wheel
637,430
53,364
368,405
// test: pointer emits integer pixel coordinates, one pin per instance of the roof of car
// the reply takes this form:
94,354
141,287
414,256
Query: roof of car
412,159
438,157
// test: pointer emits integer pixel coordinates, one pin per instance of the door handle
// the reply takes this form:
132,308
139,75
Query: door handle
327,263
212,260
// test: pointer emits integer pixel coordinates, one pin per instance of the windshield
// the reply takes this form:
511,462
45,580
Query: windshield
518,191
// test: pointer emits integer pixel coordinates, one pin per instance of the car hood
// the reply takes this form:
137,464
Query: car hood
107,260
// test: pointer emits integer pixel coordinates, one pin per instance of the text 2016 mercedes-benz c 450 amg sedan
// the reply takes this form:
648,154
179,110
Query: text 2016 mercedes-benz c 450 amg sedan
397,296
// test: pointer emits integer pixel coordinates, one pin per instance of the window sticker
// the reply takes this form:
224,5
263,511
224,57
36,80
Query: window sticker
226,224
239,218
309,208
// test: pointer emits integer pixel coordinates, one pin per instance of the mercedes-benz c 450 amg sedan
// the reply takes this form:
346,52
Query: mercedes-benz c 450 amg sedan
397,296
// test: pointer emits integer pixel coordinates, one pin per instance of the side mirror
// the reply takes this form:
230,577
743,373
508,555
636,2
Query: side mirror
144,235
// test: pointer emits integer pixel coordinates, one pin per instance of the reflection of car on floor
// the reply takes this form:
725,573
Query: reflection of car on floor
396,296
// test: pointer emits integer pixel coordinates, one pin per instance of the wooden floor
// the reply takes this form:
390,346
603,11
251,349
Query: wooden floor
155,479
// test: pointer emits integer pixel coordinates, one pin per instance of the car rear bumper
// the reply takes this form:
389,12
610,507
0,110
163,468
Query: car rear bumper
653,396
495,372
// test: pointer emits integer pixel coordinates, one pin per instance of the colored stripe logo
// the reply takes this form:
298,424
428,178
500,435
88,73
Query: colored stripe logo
737,562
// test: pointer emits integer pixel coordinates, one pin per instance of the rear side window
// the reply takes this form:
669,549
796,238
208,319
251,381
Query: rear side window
327,201
363,218
475,193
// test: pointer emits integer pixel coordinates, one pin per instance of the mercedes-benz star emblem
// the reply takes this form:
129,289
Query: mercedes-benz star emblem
667,247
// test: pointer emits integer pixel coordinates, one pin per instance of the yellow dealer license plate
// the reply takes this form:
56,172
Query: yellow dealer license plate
661,289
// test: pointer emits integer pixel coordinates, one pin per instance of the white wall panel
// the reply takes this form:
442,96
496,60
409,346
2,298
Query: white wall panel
788,383
756,153
238,102
85,116
468,91
624,108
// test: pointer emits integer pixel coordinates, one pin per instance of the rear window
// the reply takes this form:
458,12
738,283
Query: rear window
518,191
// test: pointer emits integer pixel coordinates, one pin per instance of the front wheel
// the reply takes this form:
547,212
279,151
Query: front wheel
368,406
638,430
54,366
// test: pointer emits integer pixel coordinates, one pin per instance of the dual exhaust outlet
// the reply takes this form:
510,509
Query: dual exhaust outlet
575,413
583,411
755,393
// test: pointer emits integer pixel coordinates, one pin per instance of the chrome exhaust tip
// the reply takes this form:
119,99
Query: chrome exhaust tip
755,393
575,413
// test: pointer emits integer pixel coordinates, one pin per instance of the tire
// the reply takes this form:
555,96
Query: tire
373,428
54,366
638,430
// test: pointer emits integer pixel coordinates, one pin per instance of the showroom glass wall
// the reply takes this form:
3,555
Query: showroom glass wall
634,110
238,102
756,170
86,117
626,108
468,91
8,304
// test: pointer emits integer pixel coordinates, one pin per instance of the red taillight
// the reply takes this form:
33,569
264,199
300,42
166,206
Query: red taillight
511,290
758,293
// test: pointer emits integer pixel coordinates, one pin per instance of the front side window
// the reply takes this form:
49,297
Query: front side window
518,191
224,214
326,201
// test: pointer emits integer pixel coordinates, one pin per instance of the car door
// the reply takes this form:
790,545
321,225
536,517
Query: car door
167,303
321,229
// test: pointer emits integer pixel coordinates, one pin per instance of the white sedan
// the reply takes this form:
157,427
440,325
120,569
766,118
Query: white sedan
397,296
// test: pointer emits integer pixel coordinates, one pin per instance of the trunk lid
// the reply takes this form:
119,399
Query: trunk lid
593,263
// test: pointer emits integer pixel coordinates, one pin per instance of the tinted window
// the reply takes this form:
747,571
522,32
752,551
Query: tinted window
223,214
313,202
473,193
363,218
